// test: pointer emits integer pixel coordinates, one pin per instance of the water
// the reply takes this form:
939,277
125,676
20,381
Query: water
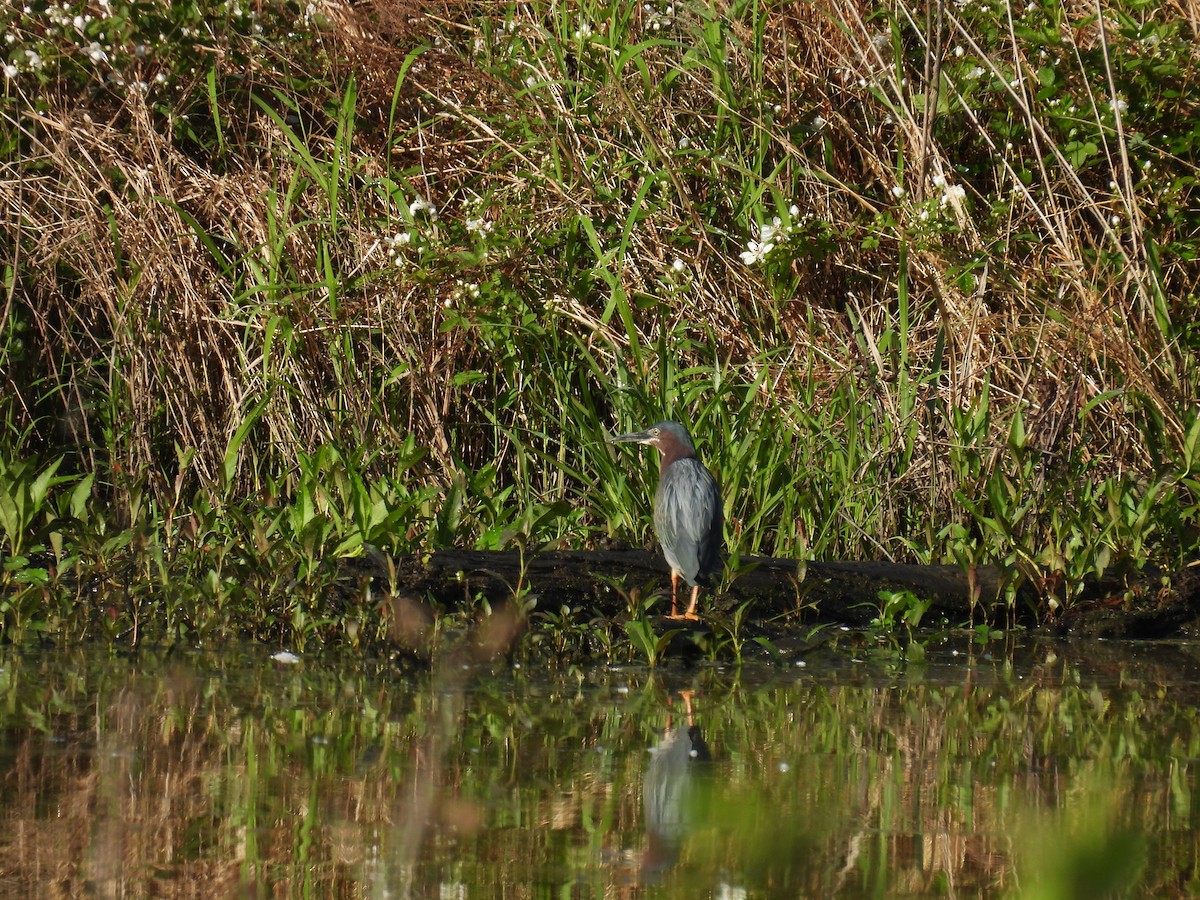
1036,769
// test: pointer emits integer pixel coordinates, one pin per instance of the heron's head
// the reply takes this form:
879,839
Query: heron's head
671,439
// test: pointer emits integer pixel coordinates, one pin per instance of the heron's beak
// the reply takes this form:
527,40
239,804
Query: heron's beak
634,437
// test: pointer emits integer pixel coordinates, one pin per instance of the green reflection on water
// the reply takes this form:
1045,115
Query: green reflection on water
1049,770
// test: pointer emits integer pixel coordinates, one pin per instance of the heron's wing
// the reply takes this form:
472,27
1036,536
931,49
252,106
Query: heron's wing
689,519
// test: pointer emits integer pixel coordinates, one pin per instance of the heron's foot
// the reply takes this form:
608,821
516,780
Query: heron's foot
683,617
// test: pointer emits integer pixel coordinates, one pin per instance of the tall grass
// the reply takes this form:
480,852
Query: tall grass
921,279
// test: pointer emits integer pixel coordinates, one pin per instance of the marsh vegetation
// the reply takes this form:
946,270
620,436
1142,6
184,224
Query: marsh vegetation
285,283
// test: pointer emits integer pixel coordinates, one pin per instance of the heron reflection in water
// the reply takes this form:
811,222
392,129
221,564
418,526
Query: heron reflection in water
667,791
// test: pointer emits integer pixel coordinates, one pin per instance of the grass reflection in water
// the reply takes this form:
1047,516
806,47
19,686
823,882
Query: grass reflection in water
1051,770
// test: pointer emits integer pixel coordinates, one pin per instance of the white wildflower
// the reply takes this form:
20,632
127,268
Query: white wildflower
657,20
677,264
420,204
756,250
462,289
954,194
395,242
11,71
897,191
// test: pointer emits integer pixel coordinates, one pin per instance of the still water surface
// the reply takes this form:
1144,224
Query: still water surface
1032,769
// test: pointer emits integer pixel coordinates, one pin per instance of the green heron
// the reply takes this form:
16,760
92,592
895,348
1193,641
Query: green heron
688,514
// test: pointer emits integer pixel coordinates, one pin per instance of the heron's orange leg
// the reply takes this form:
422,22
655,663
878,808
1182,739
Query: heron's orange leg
691,610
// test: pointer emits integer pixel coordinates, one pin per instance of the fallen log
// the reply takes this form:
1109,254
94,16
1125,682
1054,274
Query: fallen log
616,582
610,581
1155,605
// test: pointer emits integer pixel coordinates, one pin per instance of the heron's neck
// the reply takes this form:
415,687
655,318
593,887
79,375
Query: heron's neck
675,453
